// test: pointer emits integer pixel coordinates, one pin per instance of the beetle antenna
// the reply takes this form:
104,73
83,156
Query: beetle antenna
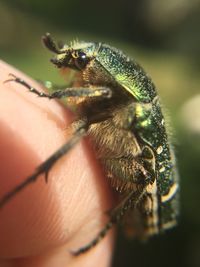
50,44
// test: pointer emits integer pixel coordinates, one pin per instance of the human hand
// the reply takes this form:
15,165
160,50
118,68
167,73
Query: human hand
43,223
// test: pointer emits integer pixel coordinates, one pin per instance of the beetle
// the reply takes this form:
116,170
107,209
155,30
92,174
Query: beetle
117,106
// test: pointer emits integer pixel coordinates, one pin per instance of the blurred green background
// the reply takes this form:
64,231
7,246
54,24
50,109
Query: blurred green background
164,37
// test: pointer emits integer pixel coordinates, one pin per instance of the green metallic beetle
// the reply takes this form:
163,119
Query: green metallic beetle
114,97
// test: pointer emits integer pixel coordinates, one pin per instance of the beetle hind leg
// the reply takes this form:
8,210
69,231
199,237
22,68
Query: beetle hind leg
95,241
116,215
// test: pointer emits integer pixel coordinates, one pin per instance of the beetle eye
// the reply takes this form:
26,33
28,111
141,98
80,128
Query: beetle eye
81,55
81,60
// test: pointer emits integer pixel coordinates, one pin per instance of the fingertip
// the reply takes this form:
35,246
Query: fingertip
45,216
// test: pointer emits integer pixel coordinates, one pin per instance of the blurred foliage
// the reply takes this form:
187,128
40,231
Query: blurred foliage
151,23
164,37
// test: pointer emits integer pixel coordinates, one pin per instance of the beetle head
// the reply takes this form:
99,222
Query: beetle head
76,56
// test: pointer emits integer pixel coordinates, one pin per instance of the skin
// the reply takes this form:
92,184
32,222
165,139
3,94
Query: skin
44,222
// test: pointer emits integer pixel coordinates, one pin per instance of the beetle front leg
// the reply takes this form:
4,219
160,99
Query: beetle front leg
97,91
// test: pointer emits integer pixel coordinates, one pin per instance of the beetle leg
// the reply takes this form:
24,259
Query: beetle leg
134,171
50,44
97,91
130,202
44,168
